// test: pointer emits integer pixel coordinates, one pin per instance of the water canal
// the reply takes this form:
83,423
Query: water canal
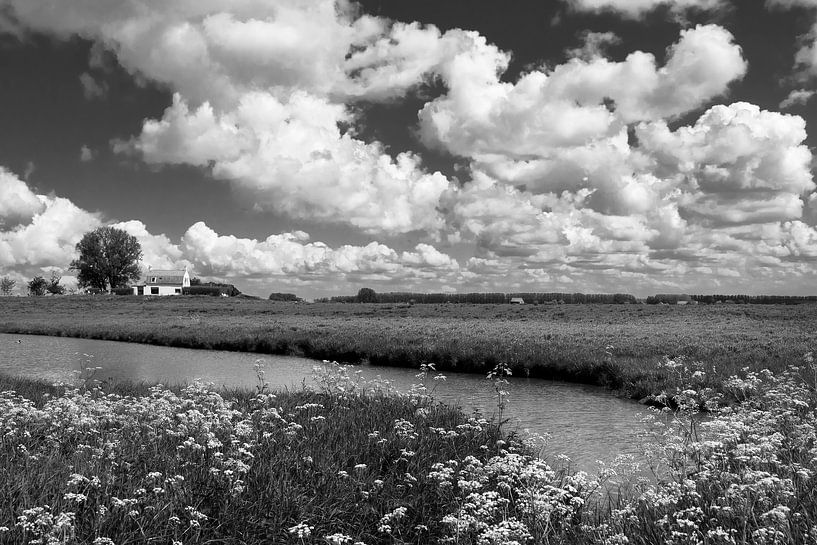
585,423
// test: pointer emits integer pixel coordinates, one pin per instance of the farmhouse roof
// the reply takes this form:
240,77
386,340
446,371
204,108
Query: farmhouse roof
158,277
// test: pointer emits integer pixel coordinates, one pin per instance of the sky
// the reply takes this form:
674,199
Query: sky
318,146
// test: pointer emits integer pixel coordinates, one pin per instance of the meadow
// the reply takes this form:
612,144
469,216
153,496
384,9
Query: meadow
353,463
616,346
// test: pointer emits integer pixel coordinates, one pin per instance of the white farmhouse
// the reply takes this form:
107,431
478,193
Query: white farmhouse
163,282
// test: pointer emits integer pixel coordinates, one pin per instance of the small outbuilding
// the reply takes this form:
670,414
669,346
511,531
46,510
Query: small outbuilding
517,301
163,282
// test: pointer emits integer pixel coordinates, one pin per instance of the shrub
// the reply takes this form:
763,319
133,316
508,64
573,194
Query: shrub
215,291
284,297
37,286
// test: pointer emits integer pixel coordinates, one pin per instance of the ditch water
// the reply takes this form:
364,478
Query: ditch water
585,423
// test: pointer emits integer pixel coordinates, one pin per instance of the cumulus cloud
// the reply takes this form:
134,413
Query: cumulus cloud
39,233
292,157
638,8
788,4
293,254
157,250
724,194
805,59
49,228
593,45
261,91
17,202
797,97
91,88
48,239
738,163
576,102
580,173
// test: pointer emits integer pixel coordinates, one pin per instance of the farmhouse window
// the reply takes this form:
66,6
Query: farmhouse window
154,290
152,279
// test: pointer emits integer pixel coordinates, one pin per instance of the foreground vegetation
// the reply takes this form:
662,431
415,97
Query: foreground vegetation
617,346
351,463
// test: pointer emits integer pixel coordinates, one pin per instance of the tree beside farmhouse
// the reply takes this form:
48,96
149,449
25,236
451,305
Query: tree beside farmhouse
108,259
7,285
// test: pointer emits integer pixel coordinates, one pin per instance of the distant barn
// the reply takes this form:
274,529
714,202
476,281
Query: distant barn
517,301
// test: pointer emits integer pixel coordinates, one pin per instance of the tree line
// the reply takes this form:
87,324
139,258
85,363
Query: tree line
368,295
755,299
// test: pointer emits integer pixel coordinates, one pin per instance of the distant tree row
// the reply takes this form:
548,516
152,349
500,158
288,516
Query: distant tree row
368,295
755,299
675,298
284,297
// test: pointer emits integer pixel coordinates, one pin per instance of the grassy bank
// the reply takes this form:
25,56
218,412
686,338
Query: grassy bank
350,463
618,346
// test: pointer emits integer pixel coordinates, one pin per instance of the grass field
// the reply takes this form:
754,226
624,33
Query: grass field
568,342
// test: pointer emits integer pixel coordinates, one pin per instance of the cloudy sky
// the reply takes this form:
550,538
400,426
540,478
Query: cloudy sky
319,146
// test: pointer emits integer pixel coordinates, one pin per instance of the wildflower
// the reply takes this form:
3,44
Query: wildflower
76,498
387,520
301,530
338,539
104,541
76,479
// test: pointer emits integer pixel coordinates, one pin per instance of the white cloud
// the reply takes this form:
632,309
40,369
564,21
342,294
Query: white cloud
91,88
788,4
17,202
260,97
157,250
593,45
805,59
576,102
293,158
49,238
738,163
561,192
638,8
797,97
683,207
291,254
86,154
47,228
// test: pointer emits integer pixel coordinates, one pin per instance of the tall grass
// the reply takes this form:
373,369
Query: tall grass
351,462
565,342
193,465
